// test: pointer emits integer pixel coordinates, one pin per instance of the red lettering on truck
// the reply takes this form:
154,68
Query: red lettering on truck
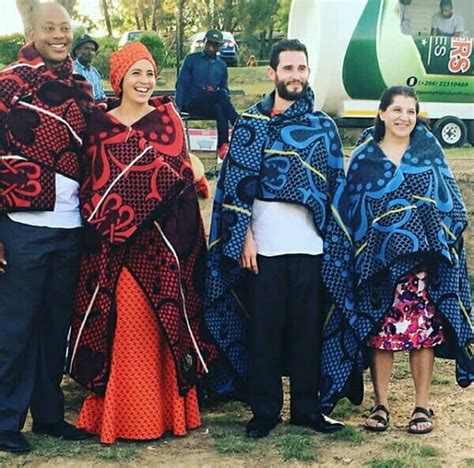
459,56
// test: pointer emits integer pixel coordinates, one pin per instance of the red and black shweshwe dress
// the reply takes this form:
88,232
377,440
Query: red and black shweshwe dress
138,342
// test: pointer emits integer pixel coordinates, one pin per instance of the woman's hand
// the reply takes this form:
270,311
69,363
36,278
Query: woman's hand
3,260
248,259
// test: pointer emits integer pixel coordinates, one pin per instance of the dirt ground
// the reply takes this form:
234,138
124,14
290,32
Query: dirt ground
220,441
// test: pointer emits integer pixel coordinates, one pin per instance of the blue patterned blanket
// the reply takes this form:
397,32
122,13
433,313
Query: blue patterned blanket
293,157
402,217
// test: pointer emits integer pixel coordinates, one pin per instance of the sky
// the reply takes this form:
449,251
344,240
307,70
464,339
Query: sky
10,20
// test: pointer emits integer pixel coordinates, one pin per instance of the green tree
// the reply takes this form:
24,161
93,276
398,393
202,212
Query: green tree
104,6
259,19
283,16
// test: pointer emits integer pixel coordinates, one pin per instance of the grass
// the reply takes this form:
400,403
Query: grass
396,462
442,380
401,369
297,447
413,449
469,462
400,462
345,409
348,434
48,448
230,413
406,454
228,443
467,152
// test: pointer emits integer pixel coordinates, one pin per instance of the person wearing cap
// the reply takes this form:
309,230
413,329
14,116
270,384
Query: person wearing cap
83,52
202,88
43,114
137,335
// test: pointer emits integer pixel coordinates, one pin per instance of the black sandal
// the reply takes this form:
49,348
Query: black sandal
380,419
427,418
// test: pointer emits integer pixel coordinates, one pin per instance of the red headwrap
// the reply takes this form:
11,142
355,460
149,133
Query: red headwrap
122,59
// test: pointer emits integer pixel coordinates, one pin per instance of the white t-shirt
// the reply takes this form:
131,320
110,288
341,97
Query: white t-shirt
447,26
66,212
284,228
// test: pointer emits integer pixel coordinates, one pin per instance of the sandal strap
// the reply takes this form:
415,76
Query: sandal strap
417,421
428,412
379,418
380,408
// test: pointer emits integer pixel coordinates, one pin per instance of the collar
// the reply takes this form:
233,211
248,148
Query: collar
87,67
30,55
210,59
301,106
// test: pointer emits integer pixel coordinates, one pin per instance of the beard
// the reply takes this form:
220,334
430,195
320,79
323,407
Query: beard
286,94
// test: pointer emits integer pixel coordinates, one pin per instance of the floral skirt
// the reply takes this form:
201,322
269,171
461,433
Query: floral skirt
412,321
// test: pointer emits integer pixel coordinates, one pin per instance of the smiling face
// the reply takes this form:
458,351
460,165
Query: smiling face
291,75
399,117
51,33
139,82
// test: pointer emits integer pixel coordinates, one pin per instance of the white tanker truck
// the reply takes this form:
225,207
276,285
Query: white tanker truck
357,49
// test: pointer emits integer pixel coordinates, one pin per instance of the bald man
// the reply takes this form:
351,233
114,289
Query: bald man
43,110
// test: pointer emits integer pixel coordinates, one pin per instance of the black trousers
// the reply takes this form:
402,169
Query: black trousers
287,314
216,105
36,303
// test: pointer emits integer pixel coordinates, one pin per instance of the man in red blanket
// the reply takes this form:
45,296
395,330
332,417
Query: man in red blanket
43,111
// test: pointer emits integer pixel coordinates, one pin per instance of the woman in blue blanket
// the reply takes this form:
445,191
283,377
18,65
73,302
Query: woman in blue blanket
411,287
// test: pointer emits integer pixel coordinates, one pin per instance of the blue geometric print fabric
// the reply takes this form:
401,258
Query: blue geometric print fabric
402,217
293,157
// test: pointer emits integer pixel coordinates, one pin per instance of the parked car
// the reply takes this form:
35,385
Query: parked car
229,52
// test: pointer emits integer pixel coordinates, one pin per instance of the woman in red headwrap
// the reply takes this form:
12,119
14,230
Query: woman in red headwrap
137,338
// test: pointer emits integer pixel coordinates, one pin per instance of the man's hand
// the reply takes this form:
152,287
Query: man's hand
248,259
3,260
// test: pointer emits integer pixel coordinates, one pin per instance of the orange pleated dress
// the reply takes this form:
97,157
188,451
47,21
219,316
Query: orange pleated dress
141,401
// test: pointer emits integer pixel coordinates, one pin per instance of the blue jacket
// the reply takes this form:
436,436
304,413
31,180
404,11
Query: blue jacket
198,72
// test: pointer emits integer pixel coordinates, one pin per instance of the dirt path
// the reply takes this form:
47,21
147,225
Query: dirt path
220,441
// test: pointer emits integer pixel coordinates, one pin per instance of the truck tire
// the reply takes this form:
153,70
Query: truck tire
450,131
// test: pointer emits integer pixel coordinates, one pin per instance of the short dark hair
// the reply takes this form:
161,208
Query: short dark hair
443,3
387,98
283,46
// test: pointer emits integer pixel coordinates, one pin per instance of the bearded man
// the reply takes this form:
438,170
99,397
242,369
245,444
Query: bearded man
273,234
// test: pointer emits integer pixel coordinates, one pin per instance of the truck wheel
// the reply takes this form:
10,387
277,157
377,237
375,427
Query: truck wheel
450,131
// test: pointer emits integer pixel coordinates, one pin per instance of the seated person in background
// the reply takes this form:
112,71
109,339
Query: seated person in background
252,61
83,52
405,17
202,88
446,22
